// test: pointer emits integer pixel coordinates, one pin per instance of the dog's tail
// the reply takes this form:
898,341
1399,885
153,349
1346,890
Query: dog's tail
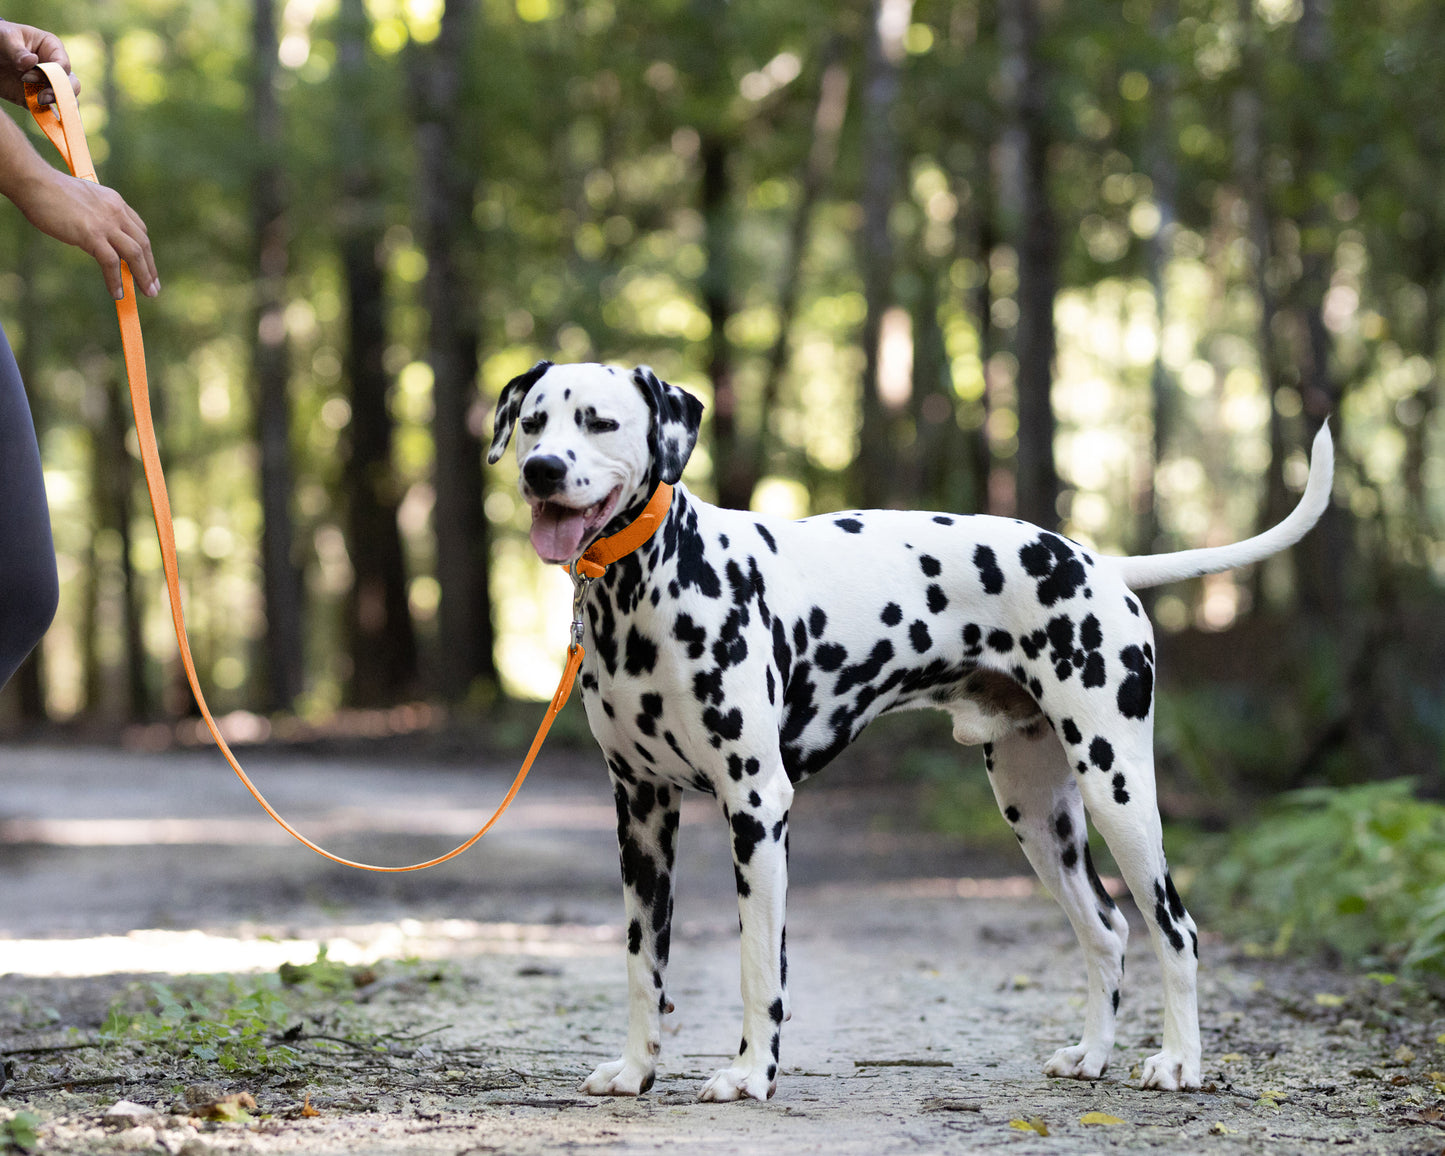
1157,569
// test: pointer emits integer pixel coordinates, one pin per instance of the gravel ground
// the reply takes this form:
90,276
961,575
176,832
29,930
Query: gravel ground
929,982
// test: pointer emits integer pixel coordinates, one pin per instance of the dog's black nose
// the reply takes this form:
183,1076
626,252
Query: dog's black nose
545,475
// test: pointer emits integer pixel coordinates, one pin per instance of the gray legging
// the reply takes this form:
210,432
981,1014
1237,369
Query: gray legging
29,586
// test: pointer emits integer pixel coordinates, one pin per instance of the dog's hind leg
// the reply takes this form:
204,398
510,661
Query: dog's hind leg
648,811
1118,789
1038,795
757,811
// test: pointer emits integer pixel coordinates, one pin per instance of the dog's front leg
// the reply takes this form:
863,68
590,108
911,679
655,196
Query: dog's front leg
757,811
647,819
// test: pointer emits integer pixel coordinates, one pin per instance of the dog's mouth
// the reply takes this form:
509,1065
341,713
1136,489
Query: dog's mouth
559,533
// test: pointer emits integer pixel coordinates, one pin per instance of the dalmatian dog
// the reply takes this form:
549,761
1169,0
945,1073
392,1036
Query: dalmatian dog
736,654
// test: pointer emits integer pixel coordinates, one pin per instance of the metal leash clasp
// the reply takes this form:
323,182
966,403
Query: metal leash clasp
580,585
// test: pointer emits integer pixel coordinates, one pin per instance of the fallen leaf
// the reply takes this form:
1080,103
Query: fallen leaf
1100,1118
1020,982
1230,1058
1404,1055
1329,999
306,1108
1032,1124
1383,978
1221,1130
228,1109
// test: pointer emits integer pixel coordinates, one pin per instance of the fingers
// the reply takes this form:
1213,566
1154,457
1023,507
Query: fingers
22,48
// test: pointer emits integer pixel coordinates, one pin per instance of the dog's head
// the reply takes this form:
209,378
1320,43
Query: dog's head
592,441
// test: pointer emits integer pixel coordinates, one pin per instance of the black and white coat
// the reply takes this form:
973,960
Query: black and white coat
737,654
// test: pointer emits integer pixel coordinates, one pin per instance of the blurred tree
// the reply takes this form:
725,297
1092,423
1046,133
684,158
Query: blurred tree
444,213
270,368
876,478
1028,84
381,642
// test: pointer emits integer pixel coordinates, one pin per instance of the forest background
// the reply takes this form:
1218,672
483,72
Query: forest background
1104,266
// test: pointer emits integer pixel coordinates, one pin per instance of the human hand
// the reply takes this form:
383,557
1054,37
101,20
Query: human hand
22,49
96,219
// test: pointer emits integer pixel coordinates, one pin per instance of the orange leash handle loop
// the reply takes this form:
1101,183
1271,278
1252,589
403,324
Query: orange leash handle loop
61,123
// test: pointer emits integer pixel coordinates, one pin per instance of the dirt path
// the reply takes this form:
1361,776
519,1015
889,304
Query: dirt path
929,985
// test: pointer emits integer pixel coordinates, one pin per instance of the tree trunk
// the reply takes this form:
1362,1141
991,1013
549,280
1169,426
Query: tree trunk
729,455
1036,481
1325,558
877,452
378,621
827,126
1164,174
444,204
270,367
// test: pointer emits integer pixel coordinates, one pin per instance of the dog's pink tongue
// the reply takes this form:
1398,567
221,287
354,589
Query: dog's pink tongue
557,532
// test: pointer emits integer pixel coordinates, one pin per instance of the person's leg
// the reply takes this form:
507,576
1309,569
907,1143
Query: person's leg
29,585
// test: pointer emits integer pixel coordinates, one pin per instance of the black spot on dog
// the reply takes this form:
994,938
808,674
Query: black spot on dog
931,565
724,727
1000,640
1136,692
1116,1001
634,937
817,622
1098,885
892,614
866,671
1071,732
1132,605
1121,796
1011,813
1164,920
747,834
688,632
937,599
1070,857
986,561
849,525
830,656
1176,905
919,636
943,519
640,653
766,537
1058,569
775,1011
1063,826
1101,753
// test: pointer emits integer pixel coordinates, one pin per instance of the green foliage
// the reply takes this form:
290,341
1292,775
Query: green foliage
325,974
19,1133
1358,872
229,1022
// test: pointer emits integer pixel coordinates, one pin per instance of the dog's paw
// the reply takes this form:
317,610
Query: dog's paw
1080,1062
619,1078
738,1083
1170,1073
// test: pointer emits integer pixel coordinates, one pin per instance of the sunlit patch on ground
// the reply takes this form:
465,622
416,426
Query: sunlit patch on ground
200,952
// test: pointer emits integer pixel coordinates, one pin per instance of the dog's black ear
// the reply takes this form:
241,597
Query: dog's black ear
509,405
676,418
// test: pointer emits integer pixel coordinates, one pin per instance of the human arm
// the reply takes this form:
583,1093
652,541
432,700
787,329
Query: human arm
78,212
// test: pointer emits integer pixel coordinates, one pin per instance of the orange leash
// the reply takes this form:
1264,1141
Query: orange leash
61,123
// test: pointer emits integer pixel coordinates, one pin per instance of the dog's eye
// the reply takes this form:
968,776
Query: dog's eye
533,423
601,425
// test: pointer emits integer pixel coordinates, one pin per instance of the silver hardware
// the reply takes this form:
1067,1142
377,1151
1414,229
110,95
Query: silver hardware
580,585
